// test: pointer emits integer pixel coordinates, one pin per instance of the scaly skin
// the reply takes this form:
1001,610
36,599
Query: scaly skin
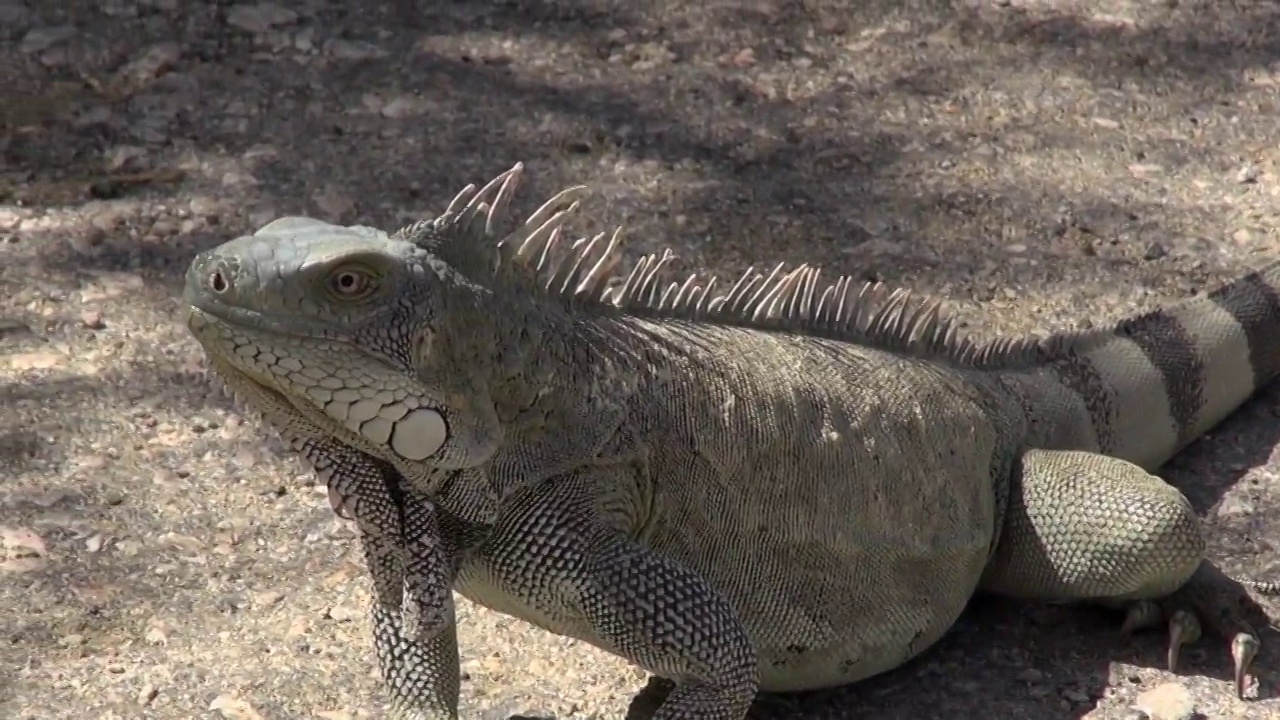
783,485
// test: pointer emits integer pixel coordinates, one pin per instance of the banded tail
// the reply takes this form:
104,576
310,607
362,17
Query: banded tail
1155,382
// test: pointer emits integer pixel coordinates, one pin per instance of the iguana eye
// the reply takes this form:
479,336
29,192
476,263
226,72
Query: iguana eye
350,283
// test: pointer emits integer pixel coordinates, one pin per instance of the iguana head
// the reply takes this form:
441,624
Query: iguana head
382,341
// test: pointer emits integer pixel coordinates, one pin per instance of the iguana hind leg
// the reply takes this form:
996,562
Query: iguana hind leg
1082,526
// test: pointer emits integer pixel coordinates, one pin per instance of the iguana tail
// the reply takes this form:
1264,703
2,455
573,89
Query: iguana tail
1155,382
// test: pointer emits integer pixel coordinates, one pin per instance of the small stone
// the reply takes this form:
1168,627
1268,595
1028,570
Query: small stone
334,202
22,539
305,40
36,360
151,64
1031,675
234,708
163,228
204,206
92,319
42,38
1169,701
1236,505
260,18
404,106
22,565
353,50
342,613
107,219
125,157
267,598
1155,251
156,636
147,693
88,242
1075,695
1247,174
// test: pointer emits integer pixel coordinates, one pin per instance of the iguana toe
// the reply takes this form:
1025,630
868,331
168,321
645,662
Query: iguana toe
1184,629
1141,614
342,506
1244,647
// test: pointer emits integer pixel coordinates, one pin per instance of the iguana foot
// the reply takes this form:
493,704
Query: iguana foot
1214,599
1185,629
1184,626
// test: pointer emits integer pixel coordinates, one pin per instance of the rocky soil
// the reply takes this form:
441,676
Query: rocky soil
1045,163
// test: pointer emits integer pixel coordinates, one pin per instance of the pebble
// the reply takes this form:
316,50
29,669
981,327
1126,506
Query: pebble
260,18
42,38
405,106
92,319
1155,251
1169,701
342,613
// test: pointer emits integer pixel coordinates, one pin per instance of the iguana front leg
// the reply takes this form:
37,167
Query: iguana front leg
412,562
409,555
1084,526
551,552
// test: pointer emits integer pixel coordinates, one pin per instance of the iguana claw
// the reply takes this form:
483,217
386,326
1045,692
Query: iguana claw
342,507
1184,629
1243,649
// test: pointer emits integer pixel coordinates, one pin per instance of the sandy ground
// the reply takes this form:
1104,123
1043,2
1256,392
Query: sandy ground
1045,164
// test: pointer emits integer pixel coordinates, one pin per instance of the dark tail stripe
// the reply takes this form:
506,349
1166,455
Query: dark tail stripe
1173,351
1255,305
1076,372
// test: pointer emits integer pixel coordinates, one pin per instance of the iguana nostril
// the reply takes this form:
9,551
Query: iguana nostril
218,282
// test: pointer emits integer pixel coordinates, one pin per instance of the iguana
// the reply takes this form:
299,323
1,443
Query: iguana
785,483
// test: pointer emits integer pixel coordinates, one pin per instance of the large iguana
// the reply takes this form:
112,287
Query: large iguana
782,484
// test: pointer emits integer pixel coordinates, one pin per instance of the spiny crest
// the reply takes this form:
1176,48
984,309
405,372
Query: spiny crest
581,273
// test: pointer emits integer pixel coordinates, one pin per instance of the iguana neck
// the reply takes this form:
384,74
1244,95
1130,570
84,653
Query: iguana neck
538,364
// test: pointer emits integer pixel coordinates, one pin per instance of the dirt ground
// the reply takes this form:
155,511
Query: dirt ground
1046,164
